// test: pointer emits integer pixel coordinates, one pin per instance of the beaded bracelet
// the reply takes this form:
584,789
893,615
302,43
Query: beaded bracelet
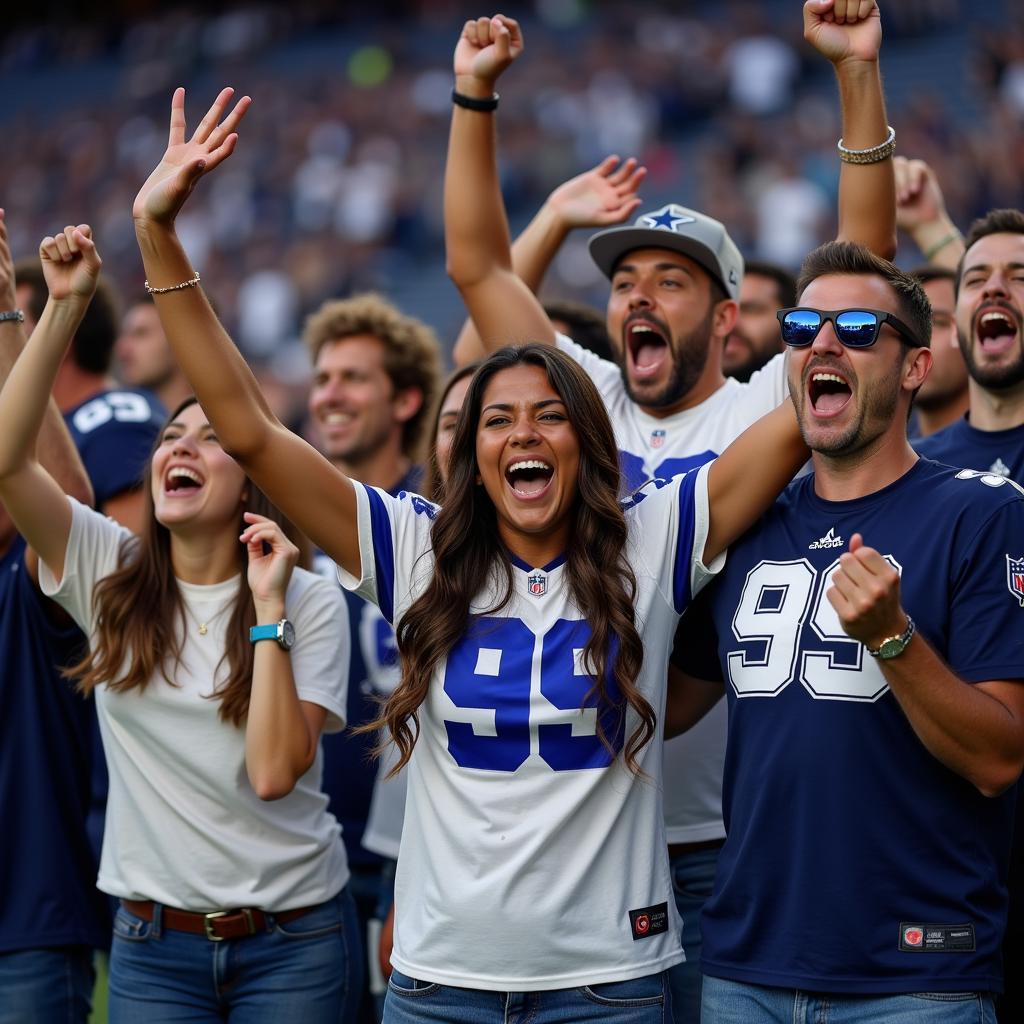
871,155
191,283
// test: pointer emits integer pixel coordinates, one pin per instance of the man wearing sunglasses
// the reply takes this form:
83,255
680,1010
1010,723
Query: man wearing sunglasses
869,629
675,277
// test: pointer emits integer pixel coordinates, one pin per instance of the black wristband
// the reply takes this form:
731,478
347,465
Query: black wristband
485,106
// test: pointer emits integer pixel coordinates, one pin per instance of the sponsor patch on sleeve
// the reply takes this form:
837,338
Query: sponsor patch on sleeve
937,938
649,921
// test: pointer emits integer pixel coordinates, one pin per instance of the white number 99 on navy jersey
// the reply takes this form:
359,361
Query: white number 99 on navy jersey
790,631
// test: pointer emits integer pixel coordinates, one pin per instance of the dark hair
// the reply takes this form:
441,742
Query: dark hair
850,258
995,222
587,327
140,612
93,346
468,552
785,282
933,272
433,488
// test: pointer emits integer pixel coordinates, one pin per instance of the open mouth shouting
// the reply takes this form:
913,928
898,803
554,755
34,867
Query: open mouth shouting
646,345
529,478
828,392
996,328
180,481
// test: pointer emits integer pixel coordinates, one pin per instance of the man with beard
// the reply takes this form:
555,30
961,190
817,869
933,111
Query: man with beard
675,278
869,628
990,439
990,324
755,339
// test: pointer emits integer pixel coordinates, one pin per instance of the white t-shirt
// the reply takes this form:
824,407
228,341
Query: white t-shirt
653,447
184,826
532,858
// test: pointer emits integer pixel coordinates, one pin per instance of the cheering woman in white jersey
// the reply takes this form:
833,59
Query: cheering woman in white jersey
230,871
534,616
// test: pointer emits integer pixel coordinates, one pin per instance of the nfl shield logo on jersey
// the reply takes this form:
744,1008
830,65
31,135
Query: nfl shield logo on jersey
657,438
1015,577
538,584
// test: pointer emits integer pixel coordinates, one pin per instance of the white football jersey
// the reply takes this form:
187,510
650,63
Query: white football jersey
650,447
532,858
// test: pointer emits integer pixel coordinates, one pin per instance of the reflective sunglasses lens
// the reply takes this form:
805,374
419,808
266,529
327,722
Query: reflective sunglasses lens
800,327
857,328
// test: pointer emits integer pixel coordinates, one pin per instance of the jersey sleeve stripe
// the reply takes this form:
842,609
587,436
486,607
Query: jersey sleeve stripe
694,519
383,554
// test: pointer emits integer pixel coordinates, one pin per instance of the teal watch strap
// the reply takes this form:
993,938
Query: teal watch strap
267,632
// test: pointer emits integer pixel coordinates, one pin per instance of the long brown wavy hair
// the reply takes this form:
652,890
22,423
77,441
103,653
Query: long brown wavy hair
140,615
468,549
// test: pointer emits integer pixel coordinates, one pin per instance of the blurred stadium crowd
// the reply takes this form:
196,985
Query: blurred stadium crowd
338,186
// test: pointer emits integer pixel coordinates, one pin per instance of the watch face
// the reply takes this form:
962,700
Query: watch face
287,635
891,647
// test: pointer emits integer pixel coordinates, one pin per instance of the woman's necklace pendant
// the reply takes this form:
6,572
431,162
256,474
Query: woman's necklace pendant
202,629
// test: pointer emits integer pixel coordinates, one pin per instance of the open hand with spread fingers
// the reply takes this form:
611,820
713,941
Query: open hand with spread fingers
186,160
604,195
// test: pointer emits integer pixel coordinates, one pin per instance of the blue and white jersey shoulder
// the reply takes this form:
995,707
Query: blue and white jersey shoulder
829,794
115,431
652,447
518,813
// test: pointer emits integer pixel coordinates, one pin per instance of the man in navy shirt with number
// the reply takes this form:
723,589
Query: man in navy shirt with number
871,634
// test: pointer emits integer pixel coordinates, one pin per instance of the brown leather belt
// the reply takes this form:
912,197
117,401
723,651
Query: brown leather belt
217,925
678,849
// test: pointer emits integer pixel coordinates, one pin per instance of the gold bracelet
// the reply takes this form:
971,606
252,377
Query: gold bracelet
871,155
191,283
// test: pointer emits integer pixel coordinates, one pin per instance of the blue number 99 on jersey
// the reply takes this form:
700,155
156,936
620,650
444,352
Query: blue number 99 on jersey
492,671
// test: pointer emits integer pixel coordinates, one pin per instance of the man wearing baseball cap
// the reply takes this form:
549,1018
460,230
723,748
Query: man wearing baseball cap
675,277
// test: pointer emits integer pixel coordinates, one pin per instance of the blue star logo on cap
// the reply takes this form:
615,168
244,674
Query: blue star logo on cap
665,219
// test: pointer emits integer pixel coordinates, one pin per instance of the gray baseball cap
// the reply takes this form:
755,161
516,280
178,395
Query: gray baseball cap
685,231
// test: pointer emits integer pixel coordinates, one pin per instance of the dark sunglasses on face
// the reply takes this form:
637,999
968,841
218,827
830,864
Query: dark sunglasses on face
855,328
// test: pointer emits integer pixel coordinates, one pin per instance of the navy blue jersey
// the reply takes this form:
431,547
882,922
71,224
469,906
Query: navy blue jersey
855,861
48,894
114,432
993,451
349,768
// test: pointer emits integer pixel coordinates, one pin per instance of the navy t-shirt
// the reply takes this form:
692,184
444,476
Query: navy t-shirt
48,894
965,447
349,768
114,432
855,861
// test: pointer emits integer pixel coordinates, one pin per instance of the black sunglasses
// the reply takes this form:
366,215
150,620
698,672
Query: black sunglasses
855,328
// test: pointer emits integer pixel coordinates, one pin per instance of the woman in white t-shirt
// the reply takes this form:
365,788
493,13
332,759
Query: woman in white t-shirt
215,663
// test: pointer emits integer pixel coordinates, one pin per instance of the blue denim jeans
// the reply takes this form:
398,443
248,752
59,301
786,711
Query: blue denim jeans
46,986
304,971
733,1002
640,1001
693,878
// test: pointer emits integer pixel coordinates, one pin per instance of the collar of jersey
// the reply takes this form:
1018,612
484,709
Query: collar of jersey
526,567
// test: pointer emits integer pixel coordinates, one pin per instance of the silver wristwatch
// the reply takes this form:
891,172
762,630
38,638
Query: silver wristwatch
893,645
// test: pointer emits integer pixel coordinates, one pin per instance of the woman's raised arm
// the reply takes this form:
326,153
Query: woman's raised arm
30,425
316,496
